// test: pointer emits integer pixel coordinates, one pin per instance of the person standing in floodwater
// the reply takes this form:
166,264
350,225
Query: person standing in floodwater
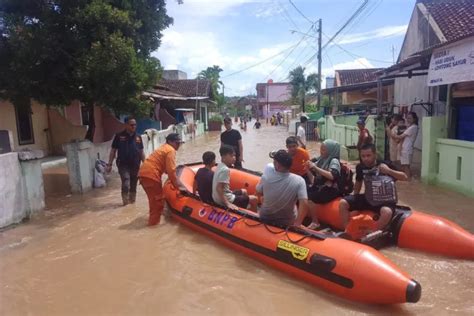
162,160
233,138
128,144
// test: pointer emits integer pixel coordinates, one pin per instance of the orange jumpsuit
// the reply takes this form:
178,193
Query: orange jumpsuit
162,160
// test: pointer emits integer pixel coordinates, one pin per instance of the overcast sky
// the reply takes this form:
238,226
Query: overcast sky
237,34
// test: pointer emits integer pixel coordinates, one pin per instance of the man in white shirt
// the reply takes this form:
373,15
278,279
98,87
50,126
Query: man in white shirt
301,133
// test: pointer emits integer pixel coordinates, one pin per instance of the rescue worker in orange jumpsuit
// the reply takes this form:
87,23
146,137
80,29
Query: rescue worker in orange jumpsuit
162,160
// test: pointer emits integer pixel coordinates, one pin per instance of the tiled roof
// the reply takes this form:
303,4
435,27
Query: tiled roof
164,91
454,18
188,88
354,76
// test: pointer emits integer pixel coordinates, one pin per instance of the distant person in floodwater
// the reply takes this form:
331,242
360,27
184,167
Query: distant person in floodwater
233,138
257,124
301,133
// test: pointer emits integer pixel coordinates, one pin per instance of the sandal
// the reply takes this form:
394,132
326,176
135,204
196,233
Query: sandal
314,226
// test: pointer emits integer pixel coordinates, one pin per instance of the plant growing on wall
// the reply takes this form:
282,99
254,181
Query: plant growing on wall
95,51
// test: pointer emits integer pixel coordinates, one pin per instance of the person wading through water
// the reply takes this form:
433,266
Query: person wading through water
128,144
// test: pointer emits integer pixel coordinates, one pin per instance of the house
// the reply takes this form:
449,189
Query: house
434,77
47,129
273,97
356,89
175,97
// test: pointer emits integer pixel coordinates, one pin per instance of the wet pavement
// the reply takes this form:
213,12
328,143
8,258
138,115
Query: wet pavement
88,255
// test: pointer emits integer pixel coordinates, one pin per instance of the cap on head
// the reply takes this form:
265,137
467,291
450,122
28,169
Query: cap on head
361,122
174,137
282,157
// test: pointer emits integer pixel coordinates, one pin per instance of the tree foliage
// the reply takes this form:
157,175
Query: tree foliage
213,75
302,84
95,51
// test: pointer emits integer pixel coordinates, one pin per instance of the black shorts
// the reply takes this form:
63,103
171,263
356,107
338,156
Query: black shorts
322,194
358,202
241,200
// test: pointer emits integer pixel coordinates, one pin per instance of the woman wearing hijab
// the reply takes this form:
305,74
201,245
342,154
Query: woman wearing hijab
326,171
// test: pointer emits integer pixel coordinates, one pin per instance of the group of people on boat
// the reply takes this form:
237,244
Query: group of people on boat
293,186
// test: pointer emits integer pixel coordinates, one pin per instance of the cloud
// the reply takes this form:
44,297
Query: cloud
266,11
199,8
383,32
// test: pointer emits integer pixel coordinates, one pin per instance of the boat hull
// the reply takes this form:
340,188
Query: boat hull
345,268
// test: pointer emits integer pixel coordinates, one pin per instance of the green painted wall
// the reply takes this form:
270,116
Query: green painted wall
433,128
348,134
315,116
446,162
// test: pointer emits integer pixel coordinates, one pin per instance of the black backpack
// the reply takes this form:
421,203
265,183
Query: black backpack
345,182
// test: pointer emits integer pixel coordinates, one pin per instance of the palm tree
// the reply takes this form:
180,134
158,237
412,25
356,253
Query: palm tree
302,84
213,75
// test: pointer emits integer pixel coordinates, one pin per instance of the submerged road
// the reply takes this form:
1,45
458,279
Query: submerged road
88,255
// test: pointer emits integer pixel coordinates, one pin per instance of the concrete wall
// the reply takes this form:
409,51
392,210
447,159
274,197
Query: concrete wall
420,34
446,162
39,120
21,189
63,131
81,157
73,113
12,190
111,125
348,134
456,164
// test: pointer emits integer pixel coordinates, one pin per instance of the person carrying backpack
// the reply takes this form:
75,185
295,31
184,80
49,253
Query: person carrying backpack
325,185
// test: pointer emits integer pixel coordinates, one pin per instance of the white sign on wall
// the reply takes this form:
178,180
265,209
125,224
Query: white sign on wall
452,64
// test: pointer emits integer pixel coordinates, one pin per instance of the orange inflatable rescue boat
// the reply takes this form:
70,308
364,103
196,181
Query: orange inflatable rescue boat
348,269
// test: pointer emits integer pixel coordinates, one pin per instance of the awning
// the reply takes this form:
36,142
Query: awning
452,63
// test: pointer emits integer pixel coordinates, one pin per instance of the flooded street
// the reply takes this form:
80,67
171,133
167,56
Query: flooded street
88,255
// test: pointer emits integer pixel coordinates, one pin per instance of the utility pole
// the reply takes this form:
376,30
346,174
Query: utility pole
320,31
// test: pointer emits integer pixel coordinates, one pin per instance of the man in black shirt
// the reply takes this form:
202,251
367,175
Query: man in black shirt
233,138
128,144
358,202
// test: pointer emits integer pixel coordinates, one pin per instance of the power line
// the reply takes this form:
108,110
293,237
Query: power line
358,11
289,53
360,56
260,62
301,13
287,15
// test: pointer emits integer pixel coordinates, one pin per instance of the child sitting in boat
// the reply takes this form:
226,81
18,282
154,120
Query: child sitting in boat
299,158
204,176
221,193
281,190
360,202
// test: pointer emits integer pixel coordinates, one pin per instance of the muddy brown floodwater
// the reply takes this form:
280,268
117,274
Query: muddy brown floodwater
88,255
